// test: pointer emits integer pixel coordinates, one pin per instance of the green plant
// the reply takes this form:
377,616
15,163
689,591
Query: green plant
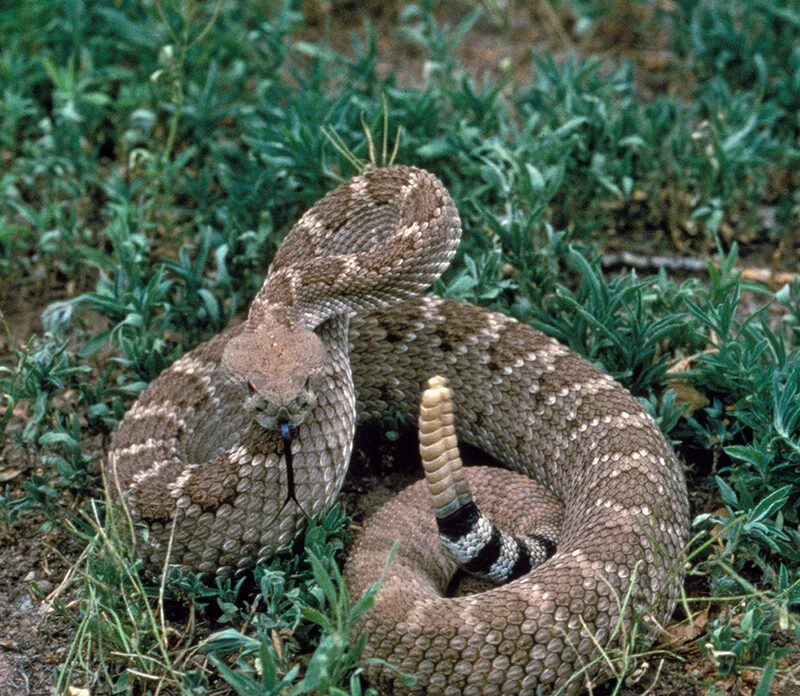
742,640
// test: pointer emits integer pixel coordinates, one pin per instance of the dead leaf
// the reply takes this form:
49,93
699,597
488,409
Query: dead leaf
686,631
723,514
686,395
9,474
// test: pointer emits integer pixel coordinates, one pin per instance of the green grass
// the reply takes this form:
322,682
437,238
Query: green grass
153,157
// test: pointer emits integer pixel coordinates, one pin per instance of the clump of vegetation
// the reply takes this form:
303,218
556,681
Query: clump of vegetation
154,155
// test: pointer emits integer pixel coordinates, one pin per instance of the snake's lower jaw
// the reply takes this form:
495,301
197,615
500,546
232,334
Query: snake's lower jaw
266,421
271,418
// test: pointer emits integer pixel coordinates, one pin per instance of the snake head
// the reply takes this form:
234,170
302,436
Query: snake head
279,367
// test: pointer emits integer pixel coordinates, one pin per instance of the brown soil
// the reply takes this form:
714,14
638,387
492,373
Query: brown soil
34,637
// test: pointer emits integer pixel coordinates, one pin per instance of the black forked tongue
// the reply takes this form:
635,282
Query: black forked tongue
286,434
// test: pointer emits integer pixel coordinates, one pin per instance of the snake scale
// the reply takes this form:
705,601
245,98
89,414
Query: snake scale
337,334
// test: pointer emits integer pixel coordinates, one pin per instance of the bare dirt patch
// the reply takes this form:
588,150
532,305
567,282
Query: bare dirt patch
34,637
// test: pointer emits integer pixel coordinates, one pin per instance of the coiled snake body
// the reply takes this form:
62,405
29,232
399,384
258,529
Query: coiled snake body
337,333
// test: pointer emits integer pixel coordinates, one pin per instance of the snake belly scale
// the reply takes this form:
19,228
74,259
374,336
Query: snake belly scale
339,333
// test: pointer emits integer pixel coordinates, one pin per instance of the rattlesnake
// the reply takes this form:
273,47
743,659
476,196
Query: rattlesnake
338,333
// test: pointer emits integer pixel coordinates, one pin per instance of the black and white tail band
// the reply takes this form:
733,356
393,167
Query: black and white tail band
474,542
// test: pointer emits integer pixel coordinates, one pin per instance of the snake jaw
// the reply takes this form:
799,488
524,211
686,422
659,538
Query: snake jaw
273,416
